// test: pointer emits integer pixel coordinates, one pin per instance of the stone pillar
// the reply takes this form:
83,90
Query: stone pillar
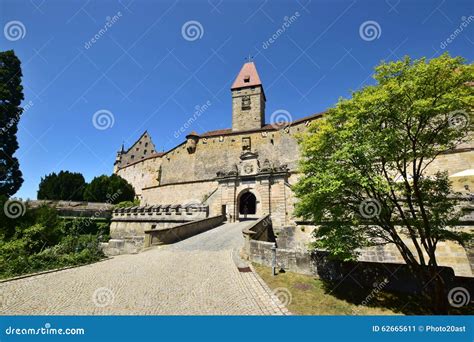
278,202
263,186
228,197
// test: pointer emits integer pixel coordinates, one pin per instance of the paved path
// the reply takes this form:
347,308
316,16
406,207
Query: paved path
196,276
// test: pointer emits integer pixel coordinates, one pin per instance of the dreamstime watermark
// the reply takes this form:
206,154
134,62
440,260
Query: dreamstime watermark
98,213
109,22
103,119
370,30
14,208
464,24
458,119
198,111
192,30
46,330
13,121
14,30
287,22
377,287
458,297
284,295
281,119
103,297
370,208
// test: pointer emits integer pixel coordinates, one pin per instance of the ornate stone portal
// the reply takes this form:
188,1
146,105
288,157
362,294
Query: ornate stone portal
252,189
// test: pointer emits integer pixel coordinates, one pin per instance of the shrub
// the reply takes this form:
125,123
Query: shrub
127,204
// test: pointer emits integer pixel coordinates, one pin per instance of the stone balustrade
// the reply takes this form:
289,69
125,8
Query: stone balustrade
164,212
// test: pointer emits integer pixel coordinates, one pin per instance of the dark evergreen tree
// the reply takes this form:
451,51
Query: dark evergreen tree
11,95
67,186
113,189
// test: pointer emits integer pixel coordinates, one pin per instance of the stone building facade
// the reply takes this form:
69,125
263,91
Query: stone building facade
246,171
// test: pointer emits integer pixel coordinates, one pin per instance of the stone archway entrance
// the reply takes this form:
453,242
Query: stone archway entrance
247,206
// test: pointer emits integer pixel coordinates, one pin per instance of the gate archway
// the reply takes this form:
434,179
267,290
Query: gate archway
247,205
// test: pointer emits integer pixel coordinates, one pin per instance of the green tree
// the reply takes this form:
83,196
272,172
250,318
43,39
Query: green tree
364,165
112,189
65,185
11,95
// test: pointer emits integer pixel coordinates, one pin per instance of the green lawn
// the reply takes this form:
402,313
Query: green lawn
310,296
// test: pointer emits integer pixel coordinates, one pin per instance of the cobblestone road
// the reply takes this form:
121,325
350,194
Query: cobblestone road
196,276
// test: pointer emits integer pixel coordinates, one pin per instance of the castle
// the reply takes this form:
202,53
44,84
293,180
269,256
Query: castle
247,171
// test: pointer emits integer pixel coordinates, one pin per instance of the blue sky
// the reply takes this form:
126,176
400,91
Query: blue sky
145,73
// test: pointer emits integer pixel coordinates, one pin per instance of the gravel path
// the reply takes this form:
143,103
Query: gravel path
196,276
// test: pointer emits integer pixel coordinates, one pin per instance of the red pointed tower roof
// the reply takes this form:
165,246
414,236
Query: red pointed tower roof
247,77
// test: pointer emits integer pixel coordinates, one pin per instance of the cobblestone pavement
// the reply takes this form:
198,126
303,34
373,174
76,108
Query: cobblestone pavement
196,276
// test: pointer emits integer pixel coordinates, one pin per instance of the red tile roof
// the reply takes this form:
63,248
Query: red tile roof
228,131
247,77
272,126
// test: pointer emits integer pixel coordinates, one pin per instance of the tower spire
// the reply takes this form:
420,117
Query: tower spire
248,99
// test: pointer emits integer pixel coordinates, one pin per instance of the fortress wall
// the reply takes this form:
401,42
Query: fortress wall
178,193
213,155
454,163
142,174
448,253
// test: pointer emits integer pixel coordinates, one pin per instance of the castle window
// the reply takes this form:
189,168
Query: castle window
246,144
146,144
132,156
144,152
245,102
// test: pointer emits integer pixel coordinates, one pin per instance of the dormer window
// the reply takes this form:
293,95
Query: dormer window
247,78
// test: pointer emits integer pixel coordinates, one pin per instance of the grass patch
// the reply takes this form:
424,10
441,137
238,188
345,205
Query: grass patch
311,296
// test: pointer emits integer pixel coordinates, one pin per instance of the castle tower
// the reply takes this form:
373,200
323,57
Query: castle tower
248,100
118,159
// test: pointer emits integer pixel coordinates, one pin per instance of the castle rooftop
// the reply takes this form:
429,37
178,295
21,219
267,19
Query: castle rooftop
247,77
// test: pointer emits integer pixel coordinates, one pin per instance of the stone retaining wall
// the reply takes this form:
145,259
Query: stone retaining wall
134,221
75,209
181,232
391,276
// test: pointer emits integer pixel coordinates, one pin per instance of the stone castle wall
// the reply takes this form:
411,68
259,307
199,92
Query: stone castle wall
214,154
142,174
180,176
449,254
179,193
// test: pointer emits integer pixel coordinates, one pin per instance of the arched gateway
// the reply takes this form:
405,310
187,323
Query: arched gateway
247,205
